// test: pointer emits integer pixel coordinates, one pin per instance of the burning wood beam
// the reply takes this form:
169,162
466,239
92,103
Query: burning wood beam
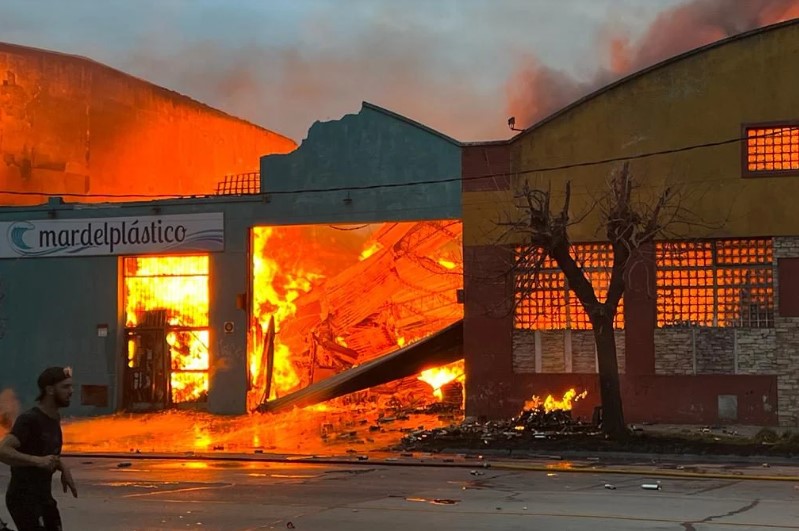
443,347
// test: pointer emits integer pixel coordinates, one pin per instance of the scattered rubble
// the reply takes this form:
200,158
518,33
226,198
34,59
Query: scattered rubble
531,424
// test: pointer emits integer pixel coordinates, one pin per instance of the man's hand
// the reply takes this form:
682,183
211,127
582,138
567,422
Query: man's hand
68,483
48,462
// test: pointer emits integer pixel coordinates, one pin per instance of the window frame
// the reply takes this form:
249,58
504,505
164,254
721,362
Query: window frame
572,321
746,173
715,266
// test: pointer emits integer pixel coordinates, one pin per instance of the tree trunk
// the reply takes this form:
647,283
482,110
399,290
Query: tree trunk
610,390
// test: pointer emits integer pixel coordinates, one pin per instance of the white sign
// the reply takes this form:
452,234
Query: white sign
112,236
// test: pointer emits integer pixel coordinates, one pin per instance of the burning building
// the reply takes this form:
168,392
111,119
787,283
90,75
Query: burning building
707,330
378,239
230,301
70,125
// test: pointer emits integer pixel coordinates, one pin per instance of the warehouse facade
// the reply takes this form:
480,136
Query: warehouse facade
707,330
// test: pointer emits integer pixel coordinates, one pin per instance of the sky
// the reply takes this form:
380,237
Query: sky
460,66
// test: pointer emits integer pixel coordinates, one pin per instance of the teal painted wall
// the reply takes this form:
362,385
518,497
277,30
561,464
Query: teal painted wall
54,305
371,148
51,310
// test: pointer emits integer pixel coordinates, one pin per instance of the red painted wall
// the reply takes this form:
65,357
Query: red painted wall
494,391
486,167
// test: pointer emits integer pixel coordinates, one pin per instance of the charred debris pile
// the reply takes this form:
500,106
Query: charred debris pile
534,426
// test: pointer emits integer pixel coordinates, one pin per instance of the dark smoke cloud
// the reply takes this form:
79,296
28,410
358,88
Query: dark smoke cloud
460,66
285,63
536,90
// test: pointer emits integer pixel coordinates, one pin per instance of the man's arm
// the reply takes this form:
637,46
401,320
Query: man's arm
67,482
11,456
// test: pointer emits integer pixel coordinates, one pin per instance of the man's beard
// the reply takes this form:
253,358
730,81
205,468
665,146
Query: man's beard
62,402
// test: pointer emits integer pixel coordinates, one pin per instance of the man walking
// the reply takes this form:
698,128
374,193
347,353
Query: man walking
33,450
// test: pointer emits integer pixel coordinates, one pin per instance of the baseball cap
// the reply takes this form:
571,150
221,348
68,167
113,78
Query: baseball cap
52,376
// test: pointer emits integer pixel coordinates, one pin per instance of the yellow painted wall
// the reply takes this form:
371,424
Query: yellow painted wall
700,98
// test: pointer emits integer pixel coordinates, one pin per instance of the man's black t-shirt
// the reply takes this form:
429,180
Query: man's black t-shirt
39,435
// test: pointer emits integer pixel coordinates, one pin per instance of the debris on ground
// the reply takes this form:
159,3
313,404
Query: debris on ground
531,424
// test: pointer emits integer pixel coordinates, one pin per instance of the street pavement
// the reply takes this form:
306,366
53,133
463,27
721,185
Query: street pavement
142,494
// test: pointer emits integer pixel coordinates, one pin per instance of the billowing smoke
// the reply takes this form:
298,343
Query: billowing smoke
535,90
9,409
457,66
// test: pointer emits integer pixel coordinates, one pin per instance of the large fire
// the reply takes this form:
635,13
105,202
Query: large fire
438,377
325,299
275,290
550,403
176,286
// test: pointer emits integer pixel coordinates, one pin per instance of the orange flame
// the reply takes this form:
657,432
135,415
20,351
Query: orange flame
551,404
370,250
178,285
441,376
274,296
447,264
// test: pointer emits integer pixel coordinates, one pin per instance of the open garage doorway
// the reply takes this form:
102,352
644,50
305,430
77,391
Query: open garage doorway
327,298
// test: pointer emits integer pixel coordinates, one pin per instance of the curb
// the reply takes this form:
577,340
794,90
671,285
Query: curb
631,456
637,472
497,465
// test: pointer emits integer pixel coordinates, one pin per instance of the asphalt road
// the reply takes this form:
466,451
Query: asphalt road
172,495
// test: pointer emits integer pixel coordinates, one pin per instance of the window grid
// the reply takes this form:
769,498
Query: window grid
724,283
772,149
544,300
171,288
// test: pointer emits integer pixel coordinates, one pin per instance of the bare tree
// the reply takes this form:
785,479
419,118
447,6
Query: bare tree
628,224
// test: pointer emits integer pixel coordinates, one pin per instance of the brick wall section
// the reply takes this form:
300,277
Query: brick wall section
583,352
487,333
757,350
621,351
640,312
787,343
715,350
523,351
490,159
552,351
674,351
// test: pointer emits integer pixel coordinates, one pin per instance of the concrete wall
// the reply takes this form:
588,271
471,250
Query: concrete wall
372,148
71,125
52,310
86,287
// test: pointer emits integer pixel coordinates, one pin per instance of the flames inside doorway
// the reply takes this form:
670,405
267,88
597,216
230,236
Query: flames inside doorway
328,298
166,313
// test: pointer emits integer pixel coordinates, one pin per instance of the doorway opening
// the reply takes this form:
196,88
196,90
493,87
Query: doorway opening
167,332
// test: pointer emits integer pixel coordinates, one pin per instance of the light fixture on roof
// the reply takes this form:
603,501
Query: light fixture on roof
512,124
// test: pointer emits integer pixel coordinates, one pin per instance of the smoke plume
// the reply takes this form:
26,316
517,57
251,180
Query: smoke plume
535,90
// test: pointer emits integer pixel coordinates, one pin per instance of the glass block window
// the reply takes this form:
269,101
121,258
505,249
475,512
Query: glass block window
544,300
771,150
721,283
